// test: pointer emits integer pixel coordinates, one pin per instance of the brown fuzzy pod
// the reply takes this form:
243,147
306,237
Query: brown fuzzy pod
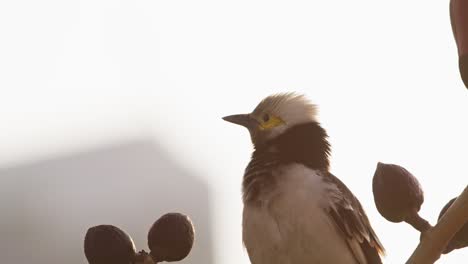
105,244
398,195
171,237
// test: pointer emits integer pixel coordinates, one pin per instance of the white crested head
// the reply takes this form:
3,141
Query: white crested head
275,114
291,108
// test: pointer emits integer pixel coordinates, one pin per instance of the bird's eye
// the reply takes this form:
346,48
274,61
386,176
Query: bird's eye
266,117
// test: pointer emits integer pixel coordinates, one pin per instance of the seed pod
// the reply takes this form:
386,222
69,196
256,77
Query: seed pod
171,237
460,239
459,21
398,195
107,244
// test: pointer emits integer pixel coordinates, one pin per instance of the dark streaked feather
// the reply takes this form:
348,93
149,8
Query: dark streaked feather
349,216
257,176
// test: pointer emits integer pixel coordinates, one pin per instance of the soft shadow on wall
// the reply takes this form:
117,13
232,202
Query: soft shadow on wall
47,206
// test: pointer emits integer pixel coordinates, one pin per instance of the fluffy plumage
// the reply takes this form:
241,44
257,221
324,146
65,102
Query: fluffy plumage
295,210
293,108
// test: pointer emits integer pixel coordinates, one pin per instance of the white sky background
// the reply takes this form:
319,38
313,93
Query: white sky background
76,74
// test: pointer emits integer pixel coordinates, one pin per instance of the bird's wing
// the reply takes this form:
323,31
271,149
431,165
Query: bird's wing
349,216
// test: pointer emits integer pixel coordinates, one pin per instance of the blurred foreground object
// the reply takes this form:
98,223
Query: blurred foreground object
460,240
169,239
459,21
398,195
105,244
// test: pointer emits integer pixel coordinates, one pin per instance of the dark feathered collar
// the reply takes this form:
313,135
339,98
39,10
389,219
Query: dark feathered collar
305,143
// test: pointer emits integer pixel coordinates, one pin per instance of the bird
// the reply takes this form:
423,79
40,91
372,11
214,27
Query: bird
295,210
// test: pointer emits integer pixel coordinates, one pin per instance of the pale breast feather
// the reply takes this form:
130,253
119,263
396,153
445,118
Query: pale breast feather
292,224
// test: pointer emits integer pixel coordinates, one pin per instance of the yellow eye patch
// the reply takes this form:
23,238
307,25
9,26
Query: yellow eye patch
269,121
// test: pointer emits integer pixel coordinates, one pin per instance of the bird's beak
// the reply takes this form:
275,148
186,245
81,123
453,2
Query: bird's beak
244,120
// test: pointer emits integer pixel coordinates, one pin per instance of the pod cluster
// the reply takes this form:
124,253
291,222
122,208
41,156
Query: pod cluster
170,238
398,196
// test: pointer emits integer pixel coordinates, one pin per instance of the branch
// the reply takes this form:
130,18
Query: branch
435,240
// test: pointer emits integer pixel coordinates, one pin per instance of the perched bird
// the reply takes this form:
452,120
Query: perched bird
295,210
